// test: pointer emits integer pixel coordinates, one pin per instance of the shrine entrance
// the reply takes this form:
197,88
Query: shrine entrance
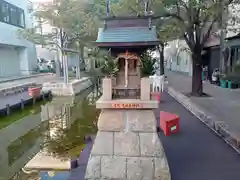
128,78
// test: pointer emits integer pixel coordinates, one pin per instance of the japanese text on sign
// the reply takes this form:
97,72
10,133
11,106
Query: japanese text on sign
129,105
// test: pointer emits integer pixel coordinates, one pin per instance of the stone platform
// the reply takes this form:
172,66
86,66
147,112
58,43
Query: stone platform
44,161
127,147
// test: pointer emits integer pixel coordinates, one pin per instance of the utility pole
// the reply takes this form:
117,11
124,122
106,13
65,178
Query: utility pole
222,38
108,7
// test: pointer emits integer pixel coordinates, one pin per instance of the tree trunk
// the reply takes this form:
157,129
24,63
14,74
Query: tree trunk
197,86
161,56
81,57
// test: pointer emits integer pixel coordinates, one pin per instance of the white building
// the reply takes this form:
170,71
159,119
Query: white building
17,55
178,57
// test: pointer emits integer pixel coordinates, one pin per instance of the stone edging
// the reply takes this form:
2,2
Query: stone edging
219,127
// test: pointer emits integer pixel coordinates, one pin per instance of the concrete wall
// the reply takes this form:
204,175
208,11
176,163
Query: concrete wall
45,53
11,44
9,135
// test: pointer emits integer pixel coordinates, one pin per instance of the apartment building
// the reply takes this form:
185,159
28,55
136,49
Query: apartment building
17,55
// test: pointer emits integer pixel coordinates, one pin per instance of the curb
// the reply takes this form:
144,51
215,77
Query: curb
219,127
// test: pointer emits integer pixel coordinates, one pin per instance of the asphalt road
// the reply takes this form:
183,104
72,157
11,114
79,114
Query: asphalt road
197,153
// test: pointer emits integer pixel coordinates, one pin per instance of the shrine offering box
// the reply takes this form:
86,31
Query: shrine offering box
169,123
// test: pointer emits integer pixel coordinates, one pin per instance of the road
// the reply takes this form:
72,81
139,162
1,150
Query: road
197,153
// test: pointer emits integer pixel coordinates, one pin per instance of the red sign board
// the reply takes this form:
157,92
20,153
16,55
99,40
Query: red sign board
126,106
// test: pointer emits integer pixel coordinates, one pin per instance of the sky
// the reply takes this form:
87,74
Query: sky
40,0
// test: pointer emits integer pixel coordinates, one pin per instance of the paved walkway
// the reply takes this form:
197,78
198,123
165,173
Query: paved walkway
223,105
13,78
197,153
36,79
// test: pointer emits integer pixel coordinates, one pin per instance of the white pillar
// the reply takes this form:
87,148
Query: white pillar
65,68
126,73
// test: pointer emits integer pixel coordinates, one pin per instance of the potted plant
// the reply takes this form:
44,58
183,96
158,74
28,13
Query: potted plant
223,81
233,78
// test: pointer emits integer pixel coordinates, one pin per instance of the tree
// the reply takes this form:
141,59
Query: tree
75,21
194,21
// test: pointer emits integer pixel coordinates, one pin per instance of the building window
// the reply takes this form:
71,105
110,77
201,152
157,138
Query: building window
21,18
11,14
5,13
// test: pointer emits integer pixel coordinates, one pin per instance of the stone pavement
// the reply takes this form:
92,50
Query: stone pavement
13,78
196,152
222,107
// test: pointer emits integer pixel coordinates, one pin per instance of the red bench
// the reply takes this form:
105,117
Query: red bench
169,123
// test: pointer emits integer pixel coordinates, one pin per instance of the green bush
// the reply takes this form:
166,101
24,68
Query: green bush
236,69
147,65
235,75
110,67
105,61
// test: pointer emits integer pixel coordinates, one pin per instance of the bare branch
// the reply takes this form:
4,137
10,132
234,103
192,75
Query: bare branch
188,42
209,31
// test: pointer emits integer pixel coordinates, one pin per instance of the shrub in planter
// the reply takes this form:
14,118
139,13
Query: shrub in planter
110,68
147,65
223,83
233,80
232,84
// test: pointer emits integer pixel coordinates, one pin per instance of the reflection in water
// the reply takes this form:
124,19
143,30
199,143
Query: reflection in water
63,141
59,130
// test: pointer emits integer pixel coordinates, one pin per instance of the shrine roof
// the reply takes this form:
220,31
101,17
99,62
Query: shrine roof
127,35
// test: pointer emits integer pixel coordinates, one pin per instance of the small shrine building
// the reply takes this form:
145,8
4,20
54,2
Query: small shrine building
127,38
127,144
